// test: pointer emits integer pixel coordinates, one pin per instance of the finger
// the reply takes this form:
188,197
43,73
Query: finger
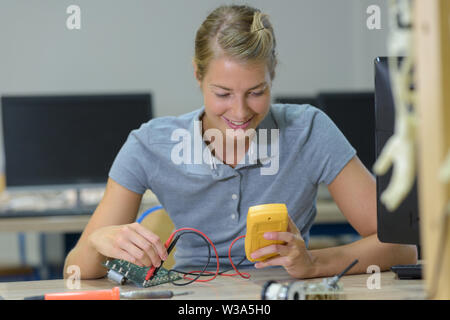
138,254
124,255
276,261
280,236
274,248
154,239
151,257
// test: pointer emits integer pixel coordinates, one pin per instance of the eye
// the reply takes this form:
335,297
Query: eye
222,95
257,93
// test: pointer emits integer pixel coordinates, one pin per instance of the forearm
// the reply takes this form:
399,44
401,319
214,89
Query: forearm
87,259
368,251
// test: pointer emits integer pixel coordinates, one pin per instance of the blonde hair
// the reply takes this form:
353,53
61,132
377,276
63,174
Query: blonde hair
236,31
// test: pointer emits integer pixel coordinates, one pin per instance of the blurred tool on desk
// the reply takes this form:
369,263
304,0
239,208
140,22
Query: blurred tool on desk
110,294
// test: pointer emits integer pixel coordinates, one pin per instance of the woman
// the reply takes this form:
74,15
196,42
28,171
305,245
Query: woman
234,65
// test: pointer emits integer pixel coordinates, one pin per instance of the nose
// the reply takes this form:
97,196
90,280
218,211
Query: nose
240,109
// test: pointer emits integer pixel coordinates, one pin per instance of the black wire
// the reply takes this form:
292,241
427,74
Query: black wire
201,273
237,265
186,273
210,275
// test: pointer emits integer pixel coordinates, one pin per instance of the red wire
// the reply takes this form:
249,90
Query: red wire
244,274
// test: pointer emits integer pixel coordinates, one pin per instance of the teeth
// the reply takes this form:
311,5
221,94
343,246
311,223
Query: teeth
238,123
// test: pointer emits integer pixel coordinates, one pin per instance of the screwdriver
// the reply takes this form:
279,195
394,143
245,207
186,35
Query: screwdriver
110,294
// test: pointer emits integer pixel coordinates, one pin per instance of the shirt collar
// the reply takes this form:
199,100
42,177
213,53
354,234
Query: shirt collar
259,153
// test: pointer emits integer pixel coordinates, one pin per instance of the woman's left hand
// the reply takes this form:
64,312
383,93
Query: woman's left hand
292,255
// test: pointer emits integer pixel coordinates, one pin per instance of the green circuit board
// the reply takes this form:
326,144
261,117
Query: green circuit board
127,271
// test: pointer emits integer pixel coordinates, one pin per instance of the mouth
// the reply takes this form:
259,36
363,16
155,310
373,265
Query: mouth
237,124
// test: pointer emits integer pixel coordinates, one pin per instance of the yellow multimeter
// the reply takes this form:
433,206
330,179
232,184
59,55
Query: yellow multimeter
261,219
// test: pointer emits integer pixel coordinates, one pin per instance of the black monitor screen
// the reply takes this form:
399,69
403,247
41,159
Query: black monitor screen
354,114
296,100
402,224
64,140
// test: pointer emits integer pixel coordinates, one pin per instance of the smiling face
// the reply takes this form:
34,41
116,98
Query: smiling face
236,95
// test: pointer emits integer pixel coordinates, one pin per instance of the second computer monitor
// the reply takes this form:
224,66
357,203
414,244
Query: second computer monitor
296,100
354,114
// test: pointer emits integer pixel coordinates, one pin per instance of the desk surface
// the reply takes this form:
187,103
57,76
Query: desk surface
234,288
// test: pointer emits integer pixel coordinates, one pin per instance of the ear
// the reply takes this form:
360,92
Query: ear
195,72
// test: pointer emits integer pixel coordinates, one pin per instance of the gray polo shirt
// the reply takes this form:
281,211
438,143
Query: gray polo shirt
213,197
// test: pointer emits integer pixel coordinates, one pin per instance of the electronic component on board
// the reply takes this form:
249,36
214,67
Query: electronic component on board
121,271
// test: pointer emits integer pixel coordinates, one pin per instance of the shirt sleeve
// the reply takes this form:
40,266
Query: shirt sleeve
330,149
128,168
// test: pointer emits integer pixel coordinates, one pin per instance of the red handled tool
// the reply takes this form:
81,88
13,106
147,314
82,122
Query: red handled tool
110,294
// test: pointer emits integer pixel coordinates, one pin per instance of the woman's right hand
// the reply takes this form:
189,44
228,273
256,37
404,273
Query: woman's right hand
130,242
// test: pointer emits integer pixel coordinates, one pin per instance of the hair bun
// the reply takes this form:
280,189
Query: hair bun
233,30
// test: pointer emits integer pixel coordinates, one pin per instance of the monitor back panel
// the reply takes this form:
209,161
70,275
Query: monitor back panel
402,224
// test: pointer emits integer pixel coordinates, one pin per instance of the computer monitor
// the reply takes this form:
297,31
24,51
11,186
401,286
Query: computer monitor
296,100
402,224
67,140
354,115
